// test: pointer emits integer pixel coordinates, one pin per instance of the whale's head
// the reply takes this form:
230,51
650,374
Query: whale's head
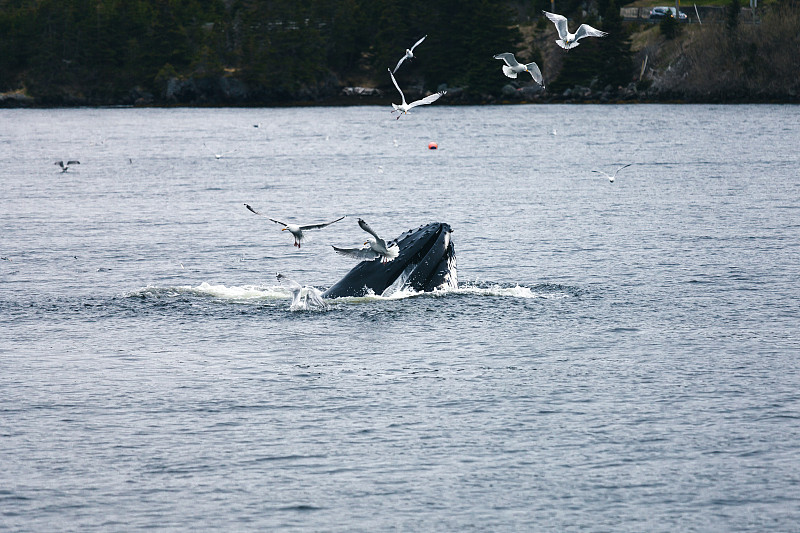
426,261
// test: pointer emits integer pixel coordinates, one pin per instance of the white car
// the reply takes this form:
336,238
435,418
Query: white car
663,12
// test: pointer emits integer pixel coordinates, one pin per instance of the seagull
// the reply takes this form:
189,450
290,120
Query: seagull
409,54
294,229
219,156
404,108
303,298
512,68
374,248
65,167
610,177
569,40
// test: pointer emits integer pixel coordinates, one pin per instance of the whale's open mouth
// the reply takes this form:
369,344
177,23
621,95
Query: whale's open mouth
426,262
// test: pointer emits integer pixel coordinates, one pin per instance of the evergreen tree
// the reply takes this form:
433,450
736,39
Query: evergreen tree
669,27
732,15
464,37
584,64
615,49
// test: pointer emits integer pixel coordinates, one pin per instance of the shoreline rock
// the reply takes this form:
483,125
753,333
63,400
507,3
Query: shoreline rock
231,92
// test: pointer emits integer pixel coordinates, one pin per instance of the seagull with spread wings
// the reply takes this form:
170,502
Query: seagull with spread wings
65,166
373,248
512,67
409,54
569,40
303,298
295,229
404,108
612,177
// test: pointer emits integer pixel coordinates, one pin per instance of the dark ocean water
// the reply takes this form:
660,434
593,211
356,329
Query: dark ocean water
617,356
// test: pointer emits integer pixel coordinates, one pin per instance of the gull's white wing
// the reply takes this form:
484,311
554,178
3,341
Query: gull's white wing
398,65
398,87
253,210
560,22
508,57
263,215
603,173
392,251
289,283
417,43
314,299
584,30
357,253
427,100
536,74
368,229
319,226
620,168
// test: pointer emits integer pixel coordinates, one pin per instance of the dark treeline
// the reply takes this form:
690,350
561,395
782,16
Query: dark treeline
245,52
270,51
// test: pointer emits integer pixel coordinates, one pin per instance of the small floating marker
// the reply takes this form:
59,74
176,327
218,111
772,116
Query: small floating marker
433,146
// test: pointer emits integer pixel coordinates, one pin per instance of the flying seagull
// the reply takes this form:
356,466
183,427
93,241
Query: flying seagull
611,177
303,298
65,167
373,248
512,67
409,54
404,108
295,229
220,156
569,40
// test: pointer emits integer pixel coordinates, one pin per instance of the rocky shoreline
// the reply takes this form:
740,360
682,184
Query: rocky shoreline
230,92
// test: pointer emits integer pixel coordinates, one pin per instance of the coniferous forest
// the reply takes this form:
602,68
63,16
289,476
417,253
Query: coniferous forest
250,52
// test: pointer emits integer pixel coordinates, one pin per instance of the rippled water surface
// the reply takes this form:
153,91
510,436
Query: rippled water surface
617,356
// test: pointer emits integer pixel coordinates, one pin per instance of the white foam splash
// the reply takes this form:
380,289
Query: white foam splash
255,292
246,292
496,290
518,291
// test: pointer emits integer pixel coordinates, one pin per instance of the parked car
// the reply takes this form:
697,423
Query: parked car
663,12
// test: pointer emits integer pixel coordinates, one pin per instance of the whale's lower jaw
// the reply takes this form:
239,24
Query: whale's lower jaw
426,262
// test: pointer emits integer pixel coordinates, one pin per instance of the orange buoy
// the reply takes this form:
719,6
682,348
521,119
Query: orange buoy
432,146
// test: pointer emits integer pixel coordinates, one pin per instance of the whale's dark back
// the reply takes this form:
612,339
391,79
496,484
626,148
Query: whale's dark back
426,261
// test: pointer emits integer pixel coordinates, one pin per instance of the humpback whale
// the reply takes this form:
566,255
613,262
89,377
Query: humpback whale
426,261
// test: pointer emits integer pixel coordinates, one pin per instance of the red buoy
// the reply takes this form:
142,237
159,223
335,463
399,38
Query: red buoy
432,146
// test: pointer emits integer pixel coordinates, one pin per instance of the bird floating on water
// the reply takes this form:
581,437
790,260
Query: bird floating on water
373,248
409,54
65,166
303,298
569,40
404,108
295,229
612,177
512,67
